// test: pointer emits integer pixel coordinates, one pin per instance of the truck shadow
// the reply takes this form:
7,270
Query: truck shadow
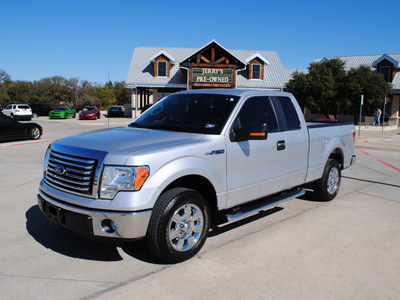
218,228
64,241
69,243
372,181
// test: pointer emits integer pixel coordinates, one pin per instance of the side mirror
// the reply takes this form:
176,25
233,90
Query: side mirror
250,131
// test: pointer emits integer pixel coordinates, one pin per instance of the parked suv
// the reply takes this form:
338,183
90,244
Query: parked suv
40,109
18,111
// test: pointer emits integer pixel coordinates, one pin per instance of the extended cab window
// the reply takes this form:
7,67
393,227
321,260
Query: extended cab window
292,120
257,110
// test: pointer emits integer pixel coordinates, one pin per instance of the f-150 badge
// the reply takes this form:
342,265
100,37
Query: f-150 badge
215,152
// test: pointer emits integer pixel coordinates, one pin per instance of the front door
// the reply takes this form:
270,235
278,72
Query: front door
255,168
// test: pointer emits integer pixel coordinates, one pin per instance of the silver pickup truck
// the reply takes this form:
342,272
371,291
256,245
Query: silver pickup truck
191,160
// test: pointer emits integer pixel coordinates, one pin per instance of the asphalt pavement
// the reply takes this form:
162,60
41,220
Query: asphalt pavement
303,249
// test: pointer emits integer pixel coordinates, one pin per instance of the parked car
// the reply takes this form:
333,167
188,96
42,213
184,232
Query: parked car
89,113
40,109
193,157
11,129
18,111
115,111
62,113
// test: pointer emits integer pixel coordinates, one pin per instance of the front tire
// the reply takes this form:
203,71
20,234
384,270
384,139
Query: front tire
327,187
179,225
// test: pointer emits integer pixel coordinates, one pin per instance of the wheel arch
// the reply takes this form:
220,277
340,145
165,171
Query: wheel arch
338,155
199,184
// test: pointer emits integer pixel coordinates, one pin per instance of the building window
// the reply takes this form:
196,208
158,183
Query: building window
385,71
256,71
162,68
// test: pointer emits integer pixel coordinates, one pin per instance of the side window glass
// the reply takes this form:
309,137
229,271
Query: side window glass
257,110
292,119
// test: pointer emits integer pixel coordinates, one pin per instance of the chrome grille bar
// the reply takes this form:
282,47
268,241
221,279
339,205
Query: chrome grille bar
70,173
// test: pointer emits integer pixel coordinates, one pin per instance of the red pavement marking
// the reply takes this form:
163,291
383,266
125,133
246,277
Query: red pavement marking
28,143
380,160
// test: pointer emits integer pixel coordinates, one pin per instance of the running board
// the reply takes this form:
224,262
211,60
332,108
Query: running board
258,205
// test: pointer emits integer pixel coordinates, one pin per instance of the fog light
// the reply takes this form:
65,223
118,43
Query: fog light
108,226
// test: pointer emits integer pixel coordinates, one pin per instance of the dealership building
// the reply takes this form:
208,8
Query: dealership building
156,72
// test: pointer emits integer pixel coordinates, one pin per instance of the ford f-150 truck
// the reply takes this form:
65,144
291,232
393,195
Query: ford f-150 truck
190,159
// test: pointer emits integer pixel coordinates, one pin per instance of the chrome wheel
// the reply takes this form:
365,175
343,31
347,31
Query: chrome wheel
186,227
333,181
35,133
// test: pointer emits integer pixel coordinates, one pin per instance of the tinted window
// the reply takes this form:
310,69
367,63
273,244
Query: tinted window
257,110
292,120
256,71
196,113
162,68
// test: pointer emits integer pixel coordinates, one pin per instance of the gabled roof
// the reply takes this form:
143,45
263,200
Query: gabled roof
256,55
357,60
141,71
162,52
387,57
218,45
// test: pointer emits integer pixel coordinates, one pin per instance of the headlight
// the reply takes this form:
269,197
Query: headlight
115,179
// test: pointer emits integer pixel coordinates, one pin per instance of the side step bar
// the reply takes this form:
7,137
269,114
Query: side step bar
252,207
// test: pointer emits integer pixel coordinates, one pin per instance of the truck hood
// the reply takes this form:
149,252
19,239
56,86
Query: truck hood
120,143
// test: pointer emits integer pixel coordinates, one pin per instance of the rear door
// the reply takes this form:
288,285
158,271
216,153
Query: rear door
255,168
296,140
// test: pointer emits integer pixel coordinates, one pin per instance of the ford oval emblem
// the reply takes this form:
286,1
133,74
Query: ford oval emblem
60,170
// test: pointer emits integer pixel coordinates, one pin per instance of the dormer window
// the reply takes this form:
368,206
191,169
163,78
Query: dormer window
162,68
255,71
385,71
162,63
256,64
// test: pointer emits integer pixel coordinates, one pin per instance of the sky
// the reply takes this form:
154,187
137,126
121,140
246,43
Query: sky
95,40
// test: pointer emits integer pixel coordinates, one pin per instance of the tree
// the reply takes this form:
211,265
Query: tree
4,76
364,81
122,94
328,88
18,91
106,95
5,79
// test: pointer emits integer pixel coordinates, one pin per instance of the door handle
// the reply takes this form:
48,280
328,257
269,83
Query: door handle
281,145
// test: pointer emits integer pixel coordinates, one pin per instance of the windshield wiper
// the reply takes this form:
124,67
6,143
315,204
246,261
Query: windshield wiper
133,124
167,127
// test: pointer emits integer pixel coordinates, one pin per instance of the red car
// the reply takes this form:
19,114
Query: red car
89,113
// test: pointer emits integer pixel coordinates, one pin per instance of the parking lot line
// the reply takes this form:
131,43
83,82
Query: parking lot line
378,159
27,143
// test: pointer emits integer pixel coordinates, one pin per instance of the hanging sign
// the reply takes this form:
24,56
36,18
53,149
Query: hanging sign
211,75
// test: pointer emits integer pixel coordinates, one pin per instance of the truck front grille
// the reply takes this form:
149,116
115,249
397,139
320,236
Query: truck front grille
71,173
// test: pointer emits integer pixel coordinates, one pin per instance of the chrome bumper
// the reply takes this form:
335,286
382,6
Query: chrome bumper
112,224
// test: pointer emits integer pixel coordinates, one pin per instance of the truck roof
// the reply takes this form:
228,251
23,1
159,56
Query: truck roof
239,92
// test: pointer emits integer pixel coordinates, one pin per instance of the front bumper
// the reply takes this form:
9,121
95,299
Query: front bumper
101,223
57,116
87,117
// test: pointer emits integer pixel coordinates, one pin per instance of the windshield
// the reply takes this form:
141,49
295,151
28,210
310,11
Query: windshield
61,109
89,108
195,113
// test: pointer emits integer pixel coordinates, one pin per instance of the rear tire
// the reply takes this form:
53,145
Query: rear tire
34,133
327,187
179,225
